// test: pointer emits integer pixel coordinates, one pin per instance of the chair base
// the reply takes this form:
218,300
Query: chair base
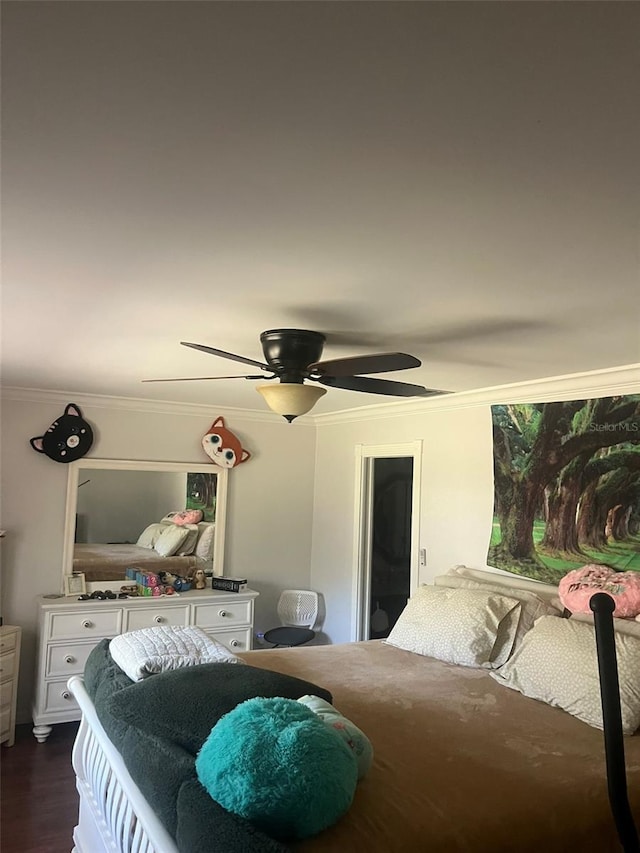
289,636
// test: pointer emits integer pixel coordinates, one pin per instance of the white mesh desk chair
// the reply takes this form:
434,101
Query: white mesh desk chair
298,611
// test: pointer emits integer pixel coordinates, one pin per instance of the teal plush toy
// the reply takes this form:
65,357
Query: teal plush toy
277,764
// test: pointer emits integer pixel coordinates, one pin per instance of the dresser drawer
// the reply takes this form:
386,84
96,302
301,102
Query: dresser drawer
58,697
235,641
67,660
151,616
7,666
88,623
7,642
223,615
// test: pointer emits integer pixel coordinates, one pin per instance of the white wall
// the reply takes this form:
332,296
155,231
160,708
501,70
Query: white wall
457,478
116,506
291,507
270,497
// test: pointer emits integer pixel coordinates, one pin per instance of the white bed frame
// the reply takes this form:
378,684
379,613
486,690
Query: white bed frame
114,817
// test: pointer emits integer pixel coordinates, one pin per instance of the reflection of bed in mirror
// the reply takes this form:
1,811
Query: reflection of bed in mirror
108,562
120,515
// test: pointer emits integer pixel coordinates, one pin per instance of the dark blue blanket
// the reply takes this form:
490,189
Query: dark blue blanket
158,725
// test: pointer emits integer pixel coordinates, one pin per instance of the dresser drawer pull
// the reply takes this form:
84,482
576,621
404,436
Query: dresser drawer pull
69,659
87,624
234,643
159,619
223,613
65,694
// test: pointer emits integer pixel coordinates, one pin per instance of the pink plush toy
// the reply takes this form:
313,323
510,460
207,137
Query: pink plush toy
188,516
576,588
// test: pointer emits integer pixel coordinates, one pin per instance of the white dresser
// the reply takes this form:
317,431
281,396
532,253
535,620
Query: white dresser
10,636
68,630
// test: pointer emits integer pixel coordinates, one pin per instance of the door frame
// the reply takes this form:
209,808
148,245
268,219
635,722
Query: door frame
363,515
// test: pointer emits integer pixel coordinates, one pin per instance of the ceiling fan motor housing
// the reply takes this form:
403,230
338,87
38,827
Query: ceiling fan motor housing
290,351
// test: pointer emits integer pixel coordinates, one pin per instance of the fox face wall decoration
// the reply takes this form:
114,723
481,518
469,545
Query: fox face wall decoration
222,447
67,439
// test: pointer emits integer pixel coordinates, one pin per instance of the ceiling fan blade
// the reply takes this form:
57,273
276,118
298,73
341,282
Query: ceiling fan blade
199,378
380,362
378,386
223,354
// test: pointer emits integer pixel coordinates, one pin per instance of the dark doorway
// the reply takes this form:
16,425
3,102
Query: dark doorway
391,543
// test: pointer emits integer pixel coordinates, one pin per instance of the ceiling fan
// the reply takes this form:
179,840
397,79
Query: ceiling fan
293,356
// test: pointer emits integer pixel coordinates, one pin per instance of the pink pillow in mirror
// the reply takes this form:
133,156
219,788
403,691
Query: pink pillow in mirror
188,516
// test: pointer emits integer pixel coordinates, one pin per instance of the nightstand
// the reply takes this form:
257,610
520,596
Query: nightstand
10,636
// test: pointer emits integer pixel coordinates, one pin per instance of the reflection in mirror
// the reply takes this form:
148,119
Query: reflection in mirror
121,514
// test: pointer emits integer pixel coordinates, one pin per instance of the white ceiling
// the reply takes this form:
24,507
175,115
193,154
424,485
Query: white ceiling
454,180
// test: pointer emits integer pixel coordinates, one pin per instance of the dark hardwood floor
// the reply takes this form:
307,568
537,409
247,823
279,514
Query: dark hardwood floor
38,793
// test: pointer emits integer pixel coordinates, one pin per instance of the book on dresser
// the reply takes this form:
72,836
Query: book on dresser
229,584
69,629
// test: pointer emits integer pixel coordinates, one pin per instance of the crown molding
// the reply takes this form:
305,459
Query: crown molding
595,383
137,404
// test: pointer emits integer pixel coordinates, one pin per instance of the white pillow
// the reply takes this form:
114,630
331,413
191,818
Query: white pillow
150,534
454,625
170,540
204,545
190,542
546,591
557,664
623,626
533,607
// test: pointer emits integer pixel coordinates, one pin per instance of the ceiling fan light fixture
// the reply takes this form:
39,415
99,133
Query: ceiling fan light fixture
291,399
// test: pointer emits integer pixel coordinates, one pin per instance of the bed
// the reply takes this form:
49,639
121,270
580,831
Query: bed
162,547
106,562
461,764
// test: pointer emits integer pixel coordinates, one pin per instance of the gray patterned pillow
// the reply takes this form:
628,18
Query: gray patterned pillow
454,625
557,664
533,607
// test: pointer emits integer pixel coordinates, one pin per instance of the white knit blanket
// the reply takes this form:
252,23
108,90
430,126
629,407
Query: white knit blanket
151,650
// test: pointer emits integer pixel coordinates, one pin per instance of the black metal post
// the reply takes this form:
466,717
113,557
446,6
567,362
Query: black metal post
603,606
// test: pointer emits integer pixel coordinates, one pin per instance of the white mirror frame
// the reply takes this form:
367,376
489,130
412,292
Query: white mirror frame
137,465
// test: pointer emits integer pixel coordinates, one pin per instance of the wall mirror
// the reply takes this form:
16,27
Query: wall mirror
116,514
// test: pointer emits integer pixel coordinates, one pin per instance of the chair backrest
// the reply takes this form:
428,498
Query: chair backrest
298,608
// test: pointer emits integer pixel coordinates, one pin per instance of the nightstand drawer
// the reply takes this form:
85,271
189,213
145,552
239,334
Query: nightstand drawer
235,641
151,617
58,697
7,642
90,623
6,693
5,723
222,615
7,665
67,660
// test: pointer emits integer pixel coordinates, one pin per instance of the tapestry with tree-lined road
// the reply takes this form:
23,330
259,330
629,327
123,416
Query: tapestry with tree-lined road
566,486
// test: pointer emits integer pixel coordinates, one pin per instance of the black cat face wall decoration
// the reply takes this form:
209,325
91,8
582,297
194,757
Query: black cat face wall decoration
67,439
